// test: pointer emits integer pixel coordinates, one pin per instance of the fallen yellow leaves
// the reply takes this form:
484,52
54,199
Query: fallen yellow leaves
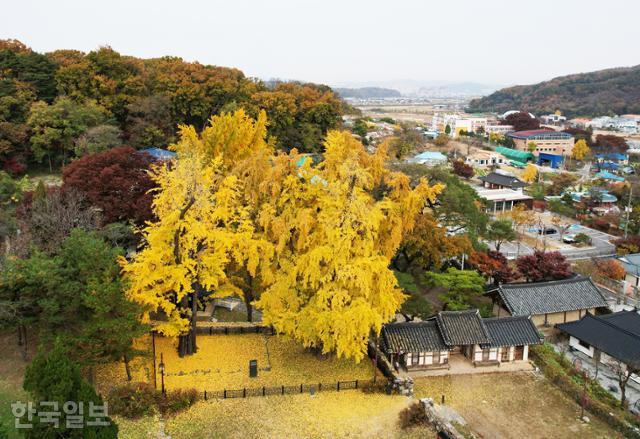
222,362
324,415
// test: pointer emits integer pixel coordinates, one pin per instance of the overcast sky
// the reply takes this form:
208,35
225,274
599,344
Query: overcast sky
331,41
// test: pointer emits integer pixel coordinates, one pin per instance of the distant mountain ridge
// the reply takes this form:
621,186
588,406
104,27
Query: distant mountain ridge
368,92
590,94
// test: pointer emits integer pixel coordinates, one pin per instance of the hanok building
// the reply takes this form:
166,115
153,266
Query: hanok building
607,338
431,344
503,192
495,180
548,303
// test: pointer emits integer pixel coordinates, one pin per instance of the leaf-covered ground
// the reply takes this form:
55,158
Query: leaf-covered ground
325,415
222,362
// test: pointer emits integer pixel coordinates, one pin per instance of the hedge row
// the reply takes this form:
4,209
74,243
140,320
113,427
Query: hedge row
559,370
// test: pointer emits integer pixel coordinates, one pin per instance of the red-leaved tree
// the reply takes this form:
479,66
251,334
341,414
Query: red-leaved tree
521,121
461,169
543,266
116,181
493,265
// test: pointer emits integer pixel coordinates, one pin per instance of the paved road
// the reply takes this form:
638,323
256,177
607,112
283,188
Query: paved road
601,245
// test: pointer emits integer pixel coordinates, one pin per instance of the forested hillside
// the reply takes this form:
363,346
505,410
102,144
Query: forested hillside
585,94
65,104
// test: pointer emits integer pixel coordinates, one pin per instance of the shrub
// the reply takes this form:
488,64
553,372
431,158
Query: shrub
141,399
14,167
177,400
413,415
582,238
132,400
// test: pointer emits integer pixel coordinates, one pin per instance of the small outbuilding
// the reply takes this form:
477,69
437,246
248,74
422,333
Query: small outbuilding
429,158
548,303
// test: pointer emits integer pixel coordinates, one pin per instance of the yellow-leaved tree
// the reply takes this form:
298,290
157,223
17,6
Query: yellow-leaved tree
204,225
333,285
580,150
310,246
530,173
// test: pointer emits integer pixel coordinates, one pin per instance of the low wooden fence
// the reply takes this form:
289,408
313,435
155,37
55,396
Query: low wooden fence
248,392
233,329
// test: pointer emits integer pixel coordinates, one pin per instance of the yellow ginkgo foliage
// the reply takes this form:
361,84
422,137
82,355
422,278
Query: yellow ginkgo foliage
333,285
203,226
580,150
530,173
310,246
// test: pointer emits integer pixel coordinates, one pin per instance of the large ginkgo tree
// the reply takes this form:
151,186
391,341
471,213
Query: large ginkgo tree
307,244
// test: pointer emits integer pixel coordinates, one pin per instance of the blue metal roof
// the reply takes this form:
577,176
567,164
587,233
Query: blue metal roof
613,156
159,154
428,157
605,175
606,196
609,165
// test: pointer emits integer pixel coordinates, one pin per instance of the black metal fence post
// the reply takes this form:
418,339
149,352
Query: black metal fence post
205,395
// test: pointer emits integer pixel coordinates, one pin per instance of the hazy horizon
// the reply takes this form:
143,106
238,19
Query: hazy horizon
341,43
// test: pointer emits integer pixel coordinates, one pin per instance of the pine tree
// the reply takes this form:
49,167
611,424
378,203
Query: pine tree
54,378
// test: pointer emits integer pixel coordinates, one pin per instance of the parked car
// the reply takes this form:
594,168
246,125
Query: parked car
547,231
569,239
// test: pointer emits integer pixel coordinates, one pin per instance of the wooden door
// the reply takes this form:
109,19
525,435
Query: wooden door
518,353
504,355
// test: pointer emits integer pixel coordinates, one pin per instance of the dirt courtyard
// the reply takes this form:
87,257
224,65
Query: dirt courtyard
512,405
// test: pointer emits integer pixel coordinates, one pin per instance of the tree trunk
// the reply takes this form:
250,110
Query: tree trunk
91,375
23,331
20,335
248,298
187,342
407,317
127,367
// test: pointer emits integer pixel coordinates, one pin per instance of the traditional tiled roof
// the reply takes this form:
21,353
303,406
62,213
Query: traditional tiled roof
460,328
609,334
626,320
512,331
412,337
503,180
523,299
